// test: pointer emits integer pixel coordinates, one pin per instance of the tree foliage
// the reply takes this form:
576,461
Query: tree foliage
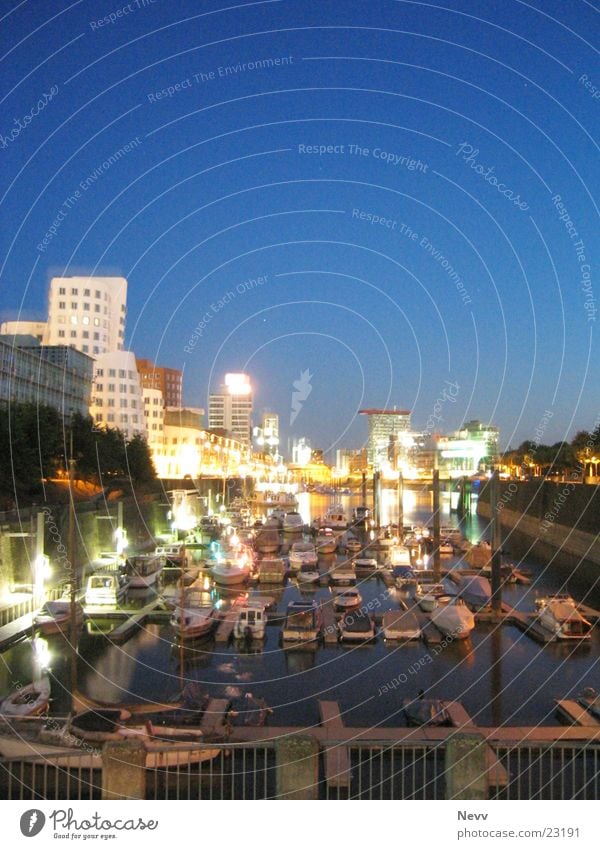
35,444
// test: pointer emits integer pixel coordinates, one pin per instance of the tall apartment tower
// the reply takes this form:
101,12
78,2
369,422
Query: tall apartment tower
231,409
386,427
87,313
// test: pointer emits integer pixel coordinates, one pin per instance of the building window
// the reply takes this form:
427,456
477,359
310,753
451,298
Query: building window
100,372
96,307
112,372
98,417
96,336
61,319
86,334
61,334
74,291
73,319
110,417
97,294
62,305
96,349
85,319
122,373
110,402
96,322
73,334
85,348
73,305
62,291
99,387
111,387
86,307
86,293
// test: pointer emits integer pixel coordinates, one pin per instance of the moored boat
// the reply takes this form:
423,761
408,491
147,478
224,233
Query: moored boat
453,620
308,574
293,523
302,553
302,622
106,588
559,615
191,622
429,596
590,700
347,599
30,700
398,555
335,518
55,616
345,573
357,626
403,577
251,622
475,590
229,573
425,712
144,570
326,541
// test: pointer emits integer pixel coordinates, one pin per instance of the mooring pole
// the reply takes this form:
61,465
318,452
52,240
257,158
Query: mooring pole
436,526
496,541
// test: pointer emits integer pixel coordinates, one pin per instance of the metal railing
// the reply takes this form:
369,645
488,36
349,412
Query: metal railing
384,771
231,771
555,770
39,778
372,770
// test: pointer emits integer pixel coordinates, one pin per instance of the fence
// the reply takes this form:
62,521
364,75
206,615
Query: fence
370,770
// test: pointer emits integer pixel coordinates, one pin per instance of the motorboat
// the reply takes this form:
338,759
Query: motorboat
293,523
267,540
106,588
446,548
357,626
251,622
590,700
479,555
401,625
403,577
276,517
429,596
475,590
366,563
55,616
165,745
559,615
144,570
326,541
191,622
30,700
302,553
308,574
347,599
360,514
419,712
230,572
335,518
345,573
249,711
453,619
450,533
353,546
302,622
398,555
172,553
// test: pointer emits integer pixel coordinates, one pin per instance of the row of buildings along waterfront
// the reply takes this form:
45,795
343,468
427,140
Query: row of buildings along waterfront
76,361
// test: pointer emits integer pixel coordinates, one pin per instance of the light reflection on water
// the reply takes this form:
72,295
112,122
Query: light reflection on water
500,674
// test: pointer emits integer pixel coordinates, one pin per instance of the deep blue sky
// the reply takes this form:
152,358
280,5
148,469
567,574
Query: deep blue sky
218,192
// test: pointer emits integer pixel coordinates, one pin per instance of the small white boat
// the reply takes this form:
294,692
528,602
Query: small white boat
559,615
302,553
366,563
429,596
357,626
446,548
171,554
453,619
276,517
144,570
293,523
267,540
31,700
308,574
343,574
106,588
347,599
353,546
251,622
55,616
335,518
228,573
398,555
401,625
192,622
326,541
302,622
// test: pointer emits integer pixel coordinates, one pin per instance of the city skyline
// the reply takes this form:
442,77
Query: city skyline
287,194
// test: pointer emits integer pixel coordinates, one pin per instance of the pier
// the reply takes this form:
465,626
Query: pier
15,630
337,758
575,713
329,622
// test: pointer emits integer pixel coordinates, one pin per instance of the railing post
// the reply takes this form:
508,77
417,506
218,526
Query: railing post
124,770
466,769
298,767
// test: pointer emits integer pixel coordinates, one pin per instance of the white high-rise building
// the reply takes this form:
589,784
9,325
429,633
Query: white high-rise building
231,409
24,328
117,395
87,313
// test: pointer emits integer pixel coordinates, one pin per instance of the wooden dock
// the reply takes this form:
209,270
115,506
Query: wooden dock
430,633
528,623
225,627
575,713
460,718
337,757
271,570
214,715
329,622
133,621
15,630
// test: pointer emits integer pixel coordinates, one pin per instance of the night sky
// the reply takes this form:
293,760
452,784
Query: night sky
389,195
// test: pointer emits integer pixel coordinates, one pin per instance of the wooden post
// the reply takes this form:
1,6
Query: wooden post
466,767
297,767
496,541
436,526
400,503
124,770
377,499
364,488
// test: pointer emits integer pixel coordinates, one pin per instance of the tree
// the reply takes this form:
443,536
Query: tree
140,467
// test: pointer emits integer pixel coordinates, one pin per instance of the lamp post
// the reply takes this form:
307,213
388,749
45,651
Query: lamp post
74,582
